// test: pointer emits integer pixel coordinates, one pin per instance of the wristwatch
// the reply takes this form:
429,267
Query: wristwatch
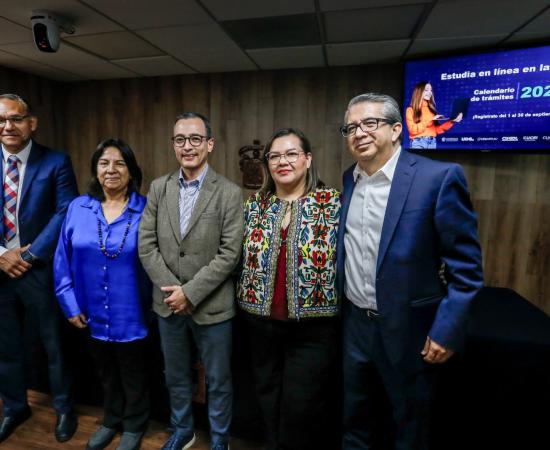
28,257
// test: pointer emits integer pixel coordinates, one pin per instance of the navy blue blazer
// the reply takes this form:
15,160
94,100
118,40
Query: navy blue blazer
48,188
429,220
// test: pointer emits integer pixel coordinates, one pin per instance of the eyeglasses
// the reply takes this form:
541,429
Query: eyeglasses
15,120
195,140
367,125
275,158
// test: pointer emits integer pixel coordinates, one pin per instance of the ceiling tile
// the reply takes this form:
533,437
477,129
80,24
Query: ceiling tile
86,21
272,32
138,14
339,5
463,18
359,53
539,28
116,45
154,66
12,33
248,9
288,57
372,24
211,49
71,60
422,47
35,68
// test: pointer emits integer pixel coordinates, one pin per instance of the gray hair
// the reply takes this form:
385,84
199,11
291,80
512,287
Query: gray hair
390,107
18,99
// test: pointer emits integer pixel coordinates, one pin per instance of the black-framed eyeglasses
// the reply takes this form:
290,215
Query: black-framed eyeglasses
275,158
195,140
16,120
368,124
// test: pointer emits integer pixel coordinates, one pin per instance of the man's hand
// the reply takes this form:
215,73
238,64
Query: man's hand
12,264
177,301
434,353
79,321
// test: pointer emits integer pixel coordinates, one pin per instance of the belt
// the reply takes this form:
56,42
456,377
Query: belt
371,313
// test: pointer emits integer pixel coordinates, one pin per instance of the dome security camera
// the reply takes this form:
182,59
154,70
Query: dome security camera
46,27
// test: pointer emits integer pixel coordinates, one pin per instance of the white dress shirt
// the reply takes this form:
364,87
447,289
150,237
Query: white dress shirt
363,230
23,156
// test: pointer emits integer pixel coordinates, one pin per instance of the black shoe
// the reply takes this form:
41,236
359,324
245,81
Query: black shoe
10,423
65,427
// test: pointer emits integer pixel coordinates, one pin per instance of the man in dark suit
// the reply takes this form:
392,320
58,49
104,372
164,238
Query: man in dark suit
403,216
38,185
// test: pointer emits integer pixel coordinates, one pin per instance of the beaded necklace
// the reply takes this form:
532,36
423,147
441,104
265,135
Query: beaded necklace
102,244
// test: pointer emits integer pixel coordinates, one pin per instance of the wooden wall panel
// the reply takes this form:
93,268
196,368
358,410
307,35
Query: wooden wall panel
510,192
41,94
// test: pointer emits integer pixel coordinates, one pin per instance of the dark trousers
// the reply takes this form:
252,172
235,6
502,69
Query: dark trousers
36,296
214,343
123,375
294,373
367,372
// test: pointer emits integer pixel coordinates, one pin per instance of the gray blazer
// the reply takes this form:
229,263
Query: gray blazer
202,261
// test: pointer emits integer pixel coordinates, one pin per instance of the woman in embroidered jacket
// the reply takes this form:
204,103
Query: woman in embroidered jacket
101,285
287,289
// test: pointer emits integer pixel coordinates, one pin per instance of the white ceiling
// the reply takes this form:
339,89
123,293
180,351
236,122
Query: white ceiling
132,38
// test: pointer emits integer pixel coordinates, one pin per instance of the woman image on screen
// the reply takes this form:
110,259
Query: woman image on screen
423,121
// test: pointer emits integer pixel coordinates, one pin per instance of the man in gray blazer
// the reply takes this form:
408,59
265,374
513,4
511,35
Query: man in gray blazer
190,241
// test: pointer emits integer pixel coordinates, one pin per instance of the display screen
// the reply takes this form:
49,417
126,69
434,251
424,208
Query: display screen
488,101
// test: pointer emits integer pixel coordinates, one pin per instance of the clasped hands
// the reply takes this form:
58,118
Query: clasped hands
12,264
177,301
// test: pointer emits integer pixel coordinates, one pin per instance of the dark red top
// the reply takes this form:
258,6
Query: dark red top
279,306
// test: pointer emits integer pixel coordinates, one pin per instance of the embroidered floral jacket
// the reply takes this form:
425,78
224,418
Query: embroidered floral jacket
311,254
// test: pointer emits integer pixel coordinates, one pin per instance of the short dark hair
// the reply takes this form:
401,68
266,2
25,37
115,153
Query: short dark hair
95,189
312,177
194,115
19,99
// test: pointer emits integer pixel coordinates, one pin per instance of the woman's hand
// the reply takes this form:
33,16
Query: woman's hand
79,321
458,118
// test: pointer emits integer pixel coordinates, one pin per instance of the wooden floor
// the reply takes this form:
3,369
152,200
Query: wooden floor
37,432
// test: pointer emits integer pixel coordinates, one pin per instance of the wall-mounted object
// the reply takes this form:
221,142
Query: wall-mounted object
250,162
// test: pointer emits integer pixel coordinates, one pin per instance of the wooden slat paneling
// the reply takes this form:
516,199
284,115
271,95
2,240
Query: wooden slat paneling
509,191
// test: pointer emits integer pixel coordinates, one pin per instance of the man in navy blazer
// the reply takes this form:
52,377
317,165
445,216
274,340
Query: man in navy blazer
38,185
404,217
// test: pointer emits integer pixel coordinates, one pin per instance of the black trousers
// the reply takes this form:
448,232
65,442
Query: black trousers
123,375
34,293
294,366
367,374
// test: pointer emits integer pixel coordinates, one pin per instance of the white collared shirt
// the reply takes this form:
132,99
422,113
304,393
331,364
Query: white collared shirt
363,231
23,156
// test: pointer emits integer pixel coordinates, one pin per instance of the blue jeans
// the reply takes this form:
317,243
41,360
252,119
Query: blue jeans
214,343
423,142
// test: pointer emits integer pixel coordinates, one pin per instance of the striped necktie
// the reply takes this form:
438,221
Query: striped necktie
11,186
